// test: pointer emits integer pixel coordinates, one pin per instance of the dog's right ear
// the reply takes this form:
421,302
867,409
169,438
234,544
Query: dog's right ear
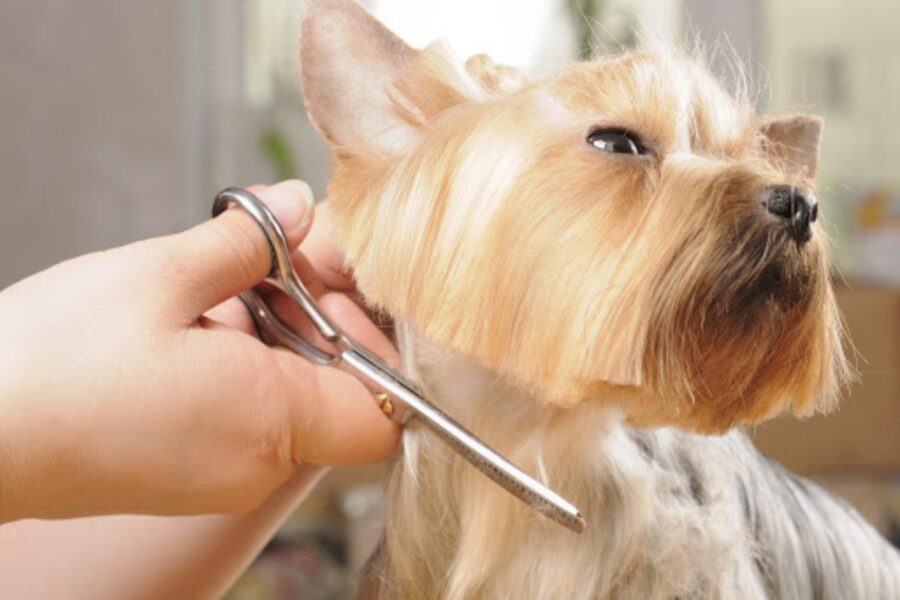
349,65
796,140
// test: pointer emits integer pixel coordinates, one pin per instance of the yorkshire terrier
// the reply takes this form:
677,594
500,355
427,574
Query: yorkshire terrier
603,273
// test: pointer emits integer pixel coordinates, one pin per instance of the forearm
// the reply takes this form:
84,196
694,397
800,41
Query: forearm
136,557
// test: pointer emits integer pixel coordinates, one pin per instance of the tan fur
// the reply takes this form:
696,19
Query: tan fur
451,533
507,239
548,293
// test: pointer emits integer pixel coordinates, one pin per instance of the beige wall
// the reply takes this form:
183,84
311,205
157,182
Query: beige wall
94,127
862,135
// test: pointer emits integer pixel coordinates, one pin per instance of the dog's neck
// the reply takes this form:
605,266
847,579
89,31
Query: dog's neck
669,514
586,453
483,400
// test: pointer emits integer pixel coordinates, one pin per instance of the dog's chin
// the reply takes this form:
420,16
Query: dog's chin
770,287
778,290
737,345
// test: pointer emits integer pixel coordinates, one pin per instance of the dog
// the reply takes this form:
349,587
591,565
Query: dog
605,273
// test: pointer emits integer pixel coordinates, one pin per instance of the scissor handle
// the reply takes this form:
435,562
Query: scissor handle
282,268
270,326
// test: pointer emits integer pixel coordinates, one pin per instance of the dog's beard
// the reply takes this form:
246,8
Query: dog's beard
747,335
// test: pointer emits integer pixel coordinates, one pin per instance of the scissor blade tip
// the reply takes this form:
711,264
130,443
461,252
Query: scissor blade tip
579,524
571,521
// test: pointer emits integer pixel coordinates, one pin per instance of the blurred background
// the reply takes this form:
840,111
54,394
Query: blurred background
120,120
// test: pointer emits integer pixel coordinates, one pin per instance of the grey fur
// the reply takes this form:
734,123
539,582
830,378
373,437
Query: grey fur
807,542
670,514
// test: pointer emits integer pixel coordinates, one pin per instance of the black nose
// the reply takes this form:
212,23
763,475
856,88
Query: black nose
798,208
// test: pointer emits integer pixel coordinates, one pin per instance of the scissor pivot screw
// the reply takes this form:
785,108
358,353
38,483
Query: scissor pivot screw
384,401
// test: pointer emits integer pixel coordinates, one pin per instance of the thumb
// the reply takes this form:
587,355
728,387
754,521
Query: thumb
227,255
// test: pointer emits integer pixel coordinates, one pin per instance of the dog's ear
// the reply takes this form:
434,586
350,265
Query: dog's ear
349,63
367,90
795,140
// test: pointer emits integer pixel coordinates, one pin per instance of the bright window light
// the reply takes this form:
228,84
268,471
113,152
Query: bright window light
532,34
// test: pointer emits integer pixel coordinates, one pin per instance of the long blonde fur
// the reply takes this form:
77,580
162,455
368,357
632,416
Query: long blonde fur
568,272
670,514
555,298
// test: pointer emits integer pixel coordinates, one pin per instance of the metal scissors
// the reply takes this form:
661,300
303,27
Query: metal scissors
398,398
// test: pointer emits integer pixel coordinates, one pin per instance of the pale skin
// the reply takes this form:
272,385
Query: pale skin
132,386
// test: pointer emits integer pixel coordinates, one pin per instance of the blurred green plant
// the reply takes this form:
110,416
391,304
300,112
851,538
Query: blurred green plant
603,25
278,153
585,13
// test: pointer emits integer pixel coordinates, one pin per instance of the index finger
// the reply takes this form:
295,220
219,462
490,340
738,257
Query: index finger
324,253
229,254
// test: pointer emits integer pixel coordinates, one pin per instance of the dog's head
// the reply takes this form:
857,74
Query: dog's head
625,229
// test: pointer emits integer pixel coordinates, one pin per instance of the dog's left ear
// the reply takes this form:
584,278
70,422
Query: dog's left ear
367,90
795,140
349,62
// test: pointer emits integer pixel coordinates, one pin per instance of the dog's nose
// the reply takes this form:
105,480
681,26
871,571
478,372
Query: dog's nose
796,206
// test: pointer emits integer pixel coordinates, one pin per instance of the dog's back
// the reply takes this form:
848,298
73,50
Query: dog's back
810,543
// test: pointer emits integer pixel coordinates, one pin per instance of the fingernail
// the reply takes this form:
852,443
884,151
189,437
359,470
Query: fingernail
291,202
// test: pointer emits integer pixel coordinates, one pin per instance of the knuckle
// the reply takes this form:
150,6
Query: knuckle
275,447
298,405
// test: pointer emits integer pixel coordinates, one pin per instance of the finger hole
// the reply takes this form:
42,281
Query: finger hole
293,316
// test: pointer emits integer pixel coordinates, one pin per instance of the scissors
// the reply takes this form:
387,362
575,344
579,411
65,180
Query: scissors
398,398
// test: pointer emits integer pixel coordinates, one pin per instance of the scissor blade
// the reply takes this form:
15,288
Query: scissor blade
478,454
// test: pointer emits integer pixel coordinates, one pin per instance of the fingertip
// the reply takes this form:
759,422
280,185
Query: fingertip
299,186
293,205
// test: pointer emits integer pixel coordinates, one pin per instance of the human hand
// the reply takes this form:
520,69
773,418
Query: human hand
130,380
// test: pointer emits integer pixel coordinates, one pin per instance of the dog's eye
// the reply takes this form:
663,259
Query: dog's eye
618,141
